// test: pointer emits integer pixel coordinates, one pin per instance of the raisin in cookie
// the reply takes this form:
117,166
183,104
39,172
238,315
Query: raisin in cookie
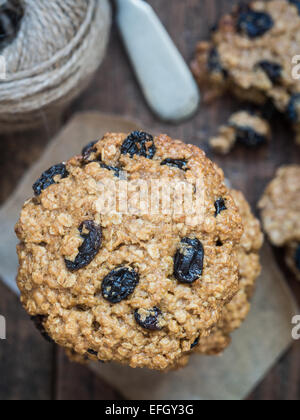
250,54
244,127
249,270
280,210
115,281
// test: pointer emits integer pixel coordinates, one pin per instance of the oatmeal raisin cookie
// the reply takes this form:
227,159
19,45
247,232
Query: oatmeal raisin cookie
250,54
134,286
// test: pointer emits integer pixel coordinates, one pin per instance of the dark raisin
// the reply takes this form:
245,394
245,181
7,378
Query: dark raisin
249,137
219,243
116,171
176,163
252,23
149,321
214,63
89,149
220,206
92,352
119,284
272,70
293,108
47,178
11,14
295,3
140,144
39,323
188,261
195,343
90,247
297,257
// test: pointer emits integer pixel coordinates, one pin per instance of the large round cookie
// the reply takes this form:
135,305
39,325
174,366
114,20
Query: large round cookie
134,287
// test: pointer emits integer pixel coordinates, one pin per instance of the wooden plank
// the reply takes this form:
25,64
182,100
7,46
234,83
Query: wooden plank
76,382
25,357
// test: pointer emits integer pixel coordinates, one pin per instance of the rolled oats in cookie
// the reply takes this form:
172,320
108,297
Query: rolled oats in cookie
116,276
244,127
280,207
251,55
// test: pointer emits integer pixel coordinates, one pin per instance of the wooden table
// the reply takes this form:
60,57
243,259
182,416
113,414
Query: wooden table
32,369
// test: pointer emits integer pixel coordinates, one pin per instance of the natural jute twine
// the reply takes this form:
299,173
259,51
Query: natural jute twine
56,49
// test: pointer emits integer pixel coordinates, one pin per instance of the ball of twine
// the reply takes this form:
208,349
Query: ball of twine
50,49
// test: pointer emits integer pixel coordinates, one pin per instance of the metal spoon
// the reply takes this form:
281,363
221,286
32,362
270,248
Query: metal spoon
163,75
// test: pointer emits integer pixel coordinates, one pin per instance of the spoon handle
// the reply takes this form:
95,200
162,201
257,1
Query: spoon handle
163,75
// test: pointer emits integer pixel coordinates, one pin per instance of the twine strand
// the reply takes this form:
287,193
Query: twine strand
59,46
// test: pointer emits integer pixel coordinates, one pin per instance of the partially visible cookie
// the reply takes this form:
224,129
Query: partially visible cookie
243,127
250,54
293,258
280,207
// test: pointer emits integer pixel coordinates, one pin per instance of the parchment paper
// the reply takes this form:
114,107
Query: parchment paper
264,337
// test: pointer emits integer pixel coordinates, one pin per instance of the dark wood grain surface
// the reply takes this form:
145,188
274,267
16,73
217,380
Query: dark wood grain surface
29,367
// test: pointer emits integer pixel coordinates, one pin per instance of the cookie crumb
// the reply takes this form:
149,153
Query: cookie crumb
246,128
